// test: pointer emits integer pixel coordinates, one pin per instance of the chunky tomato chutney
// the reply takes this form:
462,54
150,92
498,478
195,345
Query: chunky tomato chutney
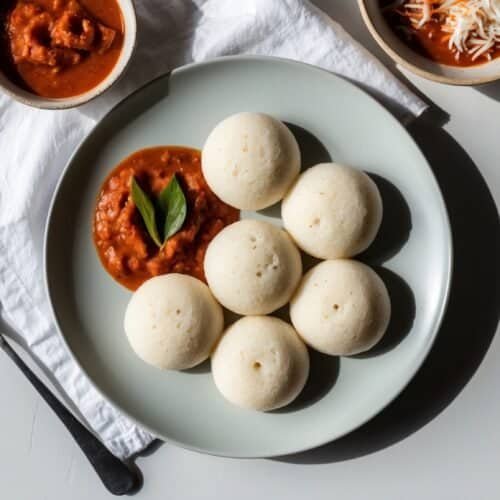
124,246
60,48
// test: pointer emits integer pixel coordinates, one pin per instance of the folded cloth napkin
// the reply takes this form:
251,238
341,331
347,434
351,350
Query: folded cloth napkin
170,33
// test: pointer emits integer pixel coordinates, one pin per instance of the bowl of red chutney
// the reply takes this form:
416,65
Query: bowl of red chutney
448,41
58,54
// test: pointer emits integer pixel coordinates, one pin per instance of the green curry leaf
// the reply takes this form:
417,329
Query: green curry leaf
146,209
173,204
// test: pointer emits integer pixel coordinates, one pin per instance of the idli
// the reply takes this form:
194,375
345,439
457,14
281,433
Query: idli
250,160
173,322
332,211
260,363
252,267
341,308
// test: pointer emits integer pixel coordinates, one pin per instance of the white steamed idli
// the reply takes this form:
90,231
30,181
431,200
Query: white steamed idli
250,160
252,267
332,211
173,322
341,308
260,363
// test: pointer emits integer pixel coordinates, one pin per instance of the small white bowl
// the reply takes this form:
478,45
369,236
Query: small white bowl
129,41
418,64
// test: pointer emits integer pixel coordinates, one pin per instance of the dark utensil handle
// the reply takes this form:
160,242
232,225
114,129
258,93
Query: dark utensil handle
114,474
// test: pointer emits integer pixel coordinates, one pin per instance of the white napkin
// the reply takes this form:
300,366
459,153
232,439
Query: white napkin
35,145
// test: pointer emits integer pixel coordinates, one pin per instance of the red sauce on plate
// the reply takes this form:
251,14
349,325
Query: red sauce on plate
123,243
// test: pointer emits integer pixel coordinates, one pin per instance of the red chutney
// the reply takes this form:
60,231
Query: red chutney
122,242
430,41
59,48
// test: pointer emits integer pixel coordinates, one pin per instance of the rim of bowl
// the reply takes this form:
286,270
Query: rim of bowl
28,98
395,56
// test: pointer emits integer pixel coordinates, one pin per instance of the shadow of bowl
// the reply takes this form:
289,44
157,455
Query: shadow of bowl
491,90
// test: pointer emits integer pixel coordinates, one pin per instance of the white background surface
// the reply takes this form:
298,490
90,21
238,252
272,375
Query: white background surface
440,440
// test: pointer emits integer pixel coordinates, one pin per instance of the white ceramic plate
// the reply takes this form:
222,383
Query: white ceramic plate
185,407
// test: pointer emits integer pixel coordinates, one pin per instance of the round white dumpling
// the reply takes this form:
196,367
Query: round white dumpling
260,363
252,267
333,211
173,322
341,308
250,160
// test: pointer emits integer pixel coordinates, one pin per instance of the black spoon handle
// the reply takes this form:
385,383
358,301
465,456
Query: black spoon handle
114,474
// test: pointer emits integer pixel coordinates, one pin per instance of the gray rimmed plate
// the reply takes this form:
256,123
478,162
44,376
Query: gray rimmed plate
332,119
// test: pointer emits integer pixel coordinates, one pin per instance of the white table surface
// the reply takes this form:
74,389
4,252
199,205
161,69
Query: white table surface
439,440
